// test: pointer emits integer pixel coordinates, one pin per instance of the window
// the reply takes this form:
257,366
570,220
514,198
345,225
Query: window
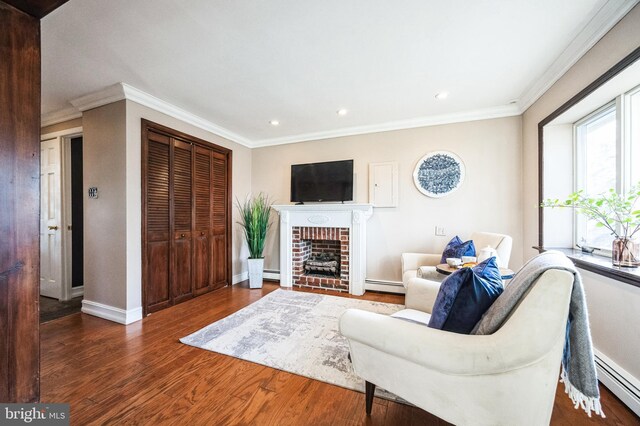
634,133
607,155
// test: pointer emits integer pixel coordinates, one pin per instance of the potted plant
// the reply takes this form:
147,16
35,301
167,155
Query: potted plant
254,219
617,213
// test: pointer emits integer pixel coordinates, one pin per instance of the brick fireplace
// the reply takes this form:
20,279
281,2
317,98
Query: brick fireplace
321,243
324,246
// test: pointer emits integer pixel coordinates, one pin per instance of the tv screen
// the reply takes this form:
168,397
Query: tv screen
330,181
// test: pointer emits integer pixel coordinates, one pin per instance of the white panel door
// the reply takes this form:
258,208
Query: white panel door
50,220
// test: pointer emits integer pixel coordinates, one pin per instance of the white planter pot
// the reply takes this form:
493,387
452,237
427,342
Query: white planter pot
256,270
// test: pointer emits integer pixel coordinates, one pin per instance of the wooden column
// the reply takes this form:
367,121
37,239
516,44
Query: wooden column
19,205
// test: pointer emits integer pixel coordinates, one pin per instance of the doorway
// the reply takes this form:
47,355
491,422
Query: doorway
61,224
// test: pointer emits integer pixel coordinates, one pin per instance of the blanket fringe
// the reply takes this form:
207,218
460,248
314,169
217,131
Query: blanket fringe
587,403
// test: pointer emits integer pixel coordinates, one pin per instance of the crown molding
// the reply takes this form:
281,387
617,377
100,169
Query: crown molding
601,22
143,98
59,116
434,120
121,91
108,95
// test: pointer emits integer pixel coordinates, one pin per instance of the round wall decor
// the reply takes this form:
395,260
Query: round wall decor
439,173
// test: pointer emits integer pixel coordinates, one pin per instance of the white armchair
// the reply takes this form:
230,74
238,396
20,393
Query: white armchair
507,378
412,261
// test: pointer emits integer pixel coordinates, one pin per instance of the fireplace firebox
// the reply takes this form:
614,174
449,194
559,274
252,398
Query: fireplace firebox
321,257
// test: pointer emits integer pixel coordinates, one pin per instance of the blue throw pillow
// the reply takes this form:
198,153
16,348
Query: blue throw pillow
465,296
457,248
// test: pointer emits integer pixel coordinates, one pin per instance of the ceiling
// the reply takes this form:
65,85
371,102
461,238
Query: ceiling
239,64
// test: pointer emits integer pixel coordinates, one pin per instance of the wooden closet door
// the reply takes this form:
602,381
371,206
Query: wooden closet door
186,217
203,218
219,210
158,241
182,207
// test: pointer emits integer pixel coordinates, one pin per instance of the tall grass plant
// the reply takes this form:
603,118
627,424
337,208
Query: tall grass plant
254,219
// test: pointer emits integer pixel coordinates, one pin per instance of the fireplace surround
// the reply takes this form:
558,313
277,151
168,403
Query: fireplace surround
314,229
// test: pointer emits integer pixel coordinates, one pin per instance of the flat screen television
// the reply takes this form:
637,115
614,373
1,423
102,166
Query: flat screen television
329,181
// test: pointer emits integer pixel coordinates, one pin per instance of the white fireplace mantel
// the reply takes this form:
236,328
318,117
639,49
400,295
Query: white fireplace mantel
352,216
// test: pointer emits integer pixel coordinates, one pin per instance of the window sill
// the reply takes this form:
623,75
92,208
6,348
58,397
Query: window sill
599,265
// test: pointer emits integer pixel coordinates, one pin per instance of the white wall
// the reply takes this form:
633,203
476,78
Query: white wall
613,313
558,183
489,200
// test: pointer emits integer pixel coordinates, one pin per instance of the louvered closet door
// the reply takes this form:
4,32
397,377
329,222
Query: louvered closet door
219,218
186,219
203,217
157,289
182,220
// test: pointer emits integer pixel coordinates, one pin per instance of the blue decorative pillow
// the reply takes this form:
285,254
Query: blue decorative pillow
457,248
465,296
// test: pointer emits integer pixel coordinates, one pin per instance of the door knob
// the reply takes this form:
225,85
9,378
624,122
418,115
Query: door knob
181,235
52,228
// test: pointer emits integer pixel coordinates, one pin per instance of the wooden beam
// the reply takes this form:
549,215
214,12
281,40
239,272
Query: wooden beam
19,205
36,8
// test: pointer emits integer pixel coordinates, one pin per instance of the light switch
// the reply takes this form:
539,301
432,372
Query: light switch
440,231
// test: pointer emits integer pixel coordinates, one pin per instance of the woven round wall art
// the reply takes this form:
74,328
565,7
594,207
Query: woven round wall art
439,173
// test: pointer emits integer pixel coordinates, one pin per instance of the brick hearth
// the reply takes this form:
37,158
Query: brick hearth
307,241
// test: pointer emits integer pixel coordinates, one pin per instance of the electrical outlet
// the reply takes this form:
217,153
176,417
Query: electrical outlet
440,231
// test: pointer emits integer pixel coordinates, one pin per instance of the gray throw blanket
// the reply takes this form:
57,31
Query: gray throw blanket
578,366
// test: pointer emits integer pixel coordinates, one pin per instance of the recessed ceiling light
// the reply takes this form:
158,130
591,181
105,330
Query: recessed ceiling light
274,122
342,111
442,95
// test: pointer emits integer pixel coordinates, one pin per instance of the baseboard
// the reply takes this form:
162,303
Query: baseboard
375,285
243,276
271,275
268,275
619,381
111,313
77,291
384,286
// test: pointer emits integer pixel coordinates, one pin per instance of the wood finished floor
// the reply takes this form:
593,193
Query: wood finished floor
141,374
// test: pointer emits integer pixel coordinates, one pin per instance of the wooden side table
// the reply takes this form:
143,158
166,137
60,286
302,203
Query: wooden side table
443,268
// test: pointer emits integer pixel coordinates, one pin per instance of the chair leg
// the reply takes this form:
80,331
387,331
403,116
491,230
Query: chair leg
370,389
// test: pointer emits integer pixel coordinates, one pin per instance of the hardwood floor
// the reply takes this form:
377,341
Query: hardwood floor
51,309
142,374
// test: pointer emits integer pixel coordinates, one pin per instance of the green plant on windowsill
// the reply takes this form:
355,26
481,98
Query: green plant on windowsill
617,213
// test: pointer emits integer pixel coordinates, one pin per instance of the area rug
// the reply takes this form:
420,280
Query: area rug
292,331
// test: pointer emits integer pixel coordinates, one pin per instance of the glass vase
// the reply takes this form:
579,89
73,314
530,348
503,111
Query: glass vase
625,252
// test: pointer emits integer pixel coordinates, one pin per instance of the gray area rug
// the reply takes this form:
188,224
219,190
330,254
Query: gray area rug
292,331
